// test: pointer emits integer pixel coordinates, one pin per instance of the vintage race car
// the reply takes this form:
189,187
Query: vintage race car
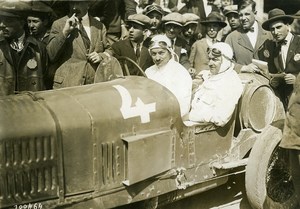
123,141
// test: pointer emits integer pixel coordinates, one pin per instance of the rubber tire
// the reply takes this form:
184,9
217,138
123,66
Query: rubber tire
256,172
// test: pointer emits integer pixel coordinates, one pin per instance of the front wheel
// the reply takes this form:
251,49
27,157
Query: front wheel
268,181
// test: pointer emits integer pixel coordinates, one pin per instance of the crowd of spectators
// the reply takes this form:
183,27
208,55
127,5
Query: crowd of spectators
195,48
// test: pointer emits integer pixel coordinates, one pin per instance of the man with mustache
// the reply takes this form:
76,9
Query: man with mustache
23,58
168,72
282,53
133,47
246,40
77,44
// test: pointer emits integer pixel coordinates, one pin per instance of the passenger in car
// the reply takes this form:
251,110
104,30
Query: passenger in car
198,56
216,98
170,73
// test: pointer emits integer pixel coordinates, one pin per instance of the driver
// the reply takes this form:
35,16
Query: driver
170,73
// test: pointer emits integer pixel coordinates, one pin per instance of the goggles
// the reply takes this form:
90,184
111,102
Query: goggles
216,53
158,44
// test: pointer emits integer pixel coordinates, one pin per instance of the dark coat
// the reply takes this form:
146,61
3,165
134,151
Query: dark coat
269,52
181,49
68,55
291,132
125,48
26,75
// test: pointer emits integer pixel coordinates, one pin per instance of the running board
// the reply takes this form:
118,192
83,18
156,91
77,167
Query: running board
230,165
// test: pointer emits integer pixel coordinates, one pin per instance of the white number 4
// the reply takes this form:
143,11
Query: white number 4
140,109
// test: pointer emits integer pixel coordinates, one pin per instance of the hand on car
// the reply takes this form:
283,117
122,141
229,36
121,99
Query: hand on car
251,68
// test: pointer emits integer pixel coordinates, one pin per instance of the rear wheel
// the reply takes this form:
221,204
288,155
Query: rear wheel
268,181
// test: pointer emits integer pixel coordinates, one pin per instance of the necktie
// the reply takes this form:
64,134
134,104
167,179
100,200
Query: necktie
84,36
280,57
138,51
172,42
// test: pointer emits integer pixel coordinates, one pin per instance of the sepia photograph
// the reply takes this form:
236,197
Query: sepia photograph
149,104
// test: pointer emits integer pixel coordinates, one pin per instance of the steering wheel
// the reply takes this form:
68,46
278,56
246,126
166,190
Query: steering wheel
124,63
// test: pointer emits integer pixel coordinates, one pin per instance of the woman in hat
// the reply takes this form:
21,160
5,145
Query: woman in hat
215,100
168,72
198,56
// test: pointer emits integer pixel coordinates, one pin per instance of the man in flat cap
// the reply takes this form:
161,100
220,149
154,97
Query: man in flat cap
77,45
282,54
173,24
23,58
133,47
39,20
155,13
232,16
198,56
246,40
190,28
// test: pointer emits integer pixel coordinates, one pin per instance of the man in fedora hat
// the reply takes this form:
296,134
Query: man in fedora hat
246,40
282,53
199,57
172,25
133,47
39,20
23,58
77,45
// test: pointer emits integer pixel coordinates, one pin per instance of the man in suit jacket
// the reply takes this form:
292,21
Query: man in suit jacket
282,54
76,46
246,40
199,57
173,24
133,46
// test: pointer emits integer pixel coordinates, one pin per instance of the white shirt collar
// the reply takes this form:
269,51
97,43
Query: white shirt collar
289,38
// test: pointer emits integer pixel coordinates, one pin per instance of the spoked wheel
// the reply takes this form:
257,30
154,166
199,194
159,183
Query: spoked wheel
268,179
124,63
